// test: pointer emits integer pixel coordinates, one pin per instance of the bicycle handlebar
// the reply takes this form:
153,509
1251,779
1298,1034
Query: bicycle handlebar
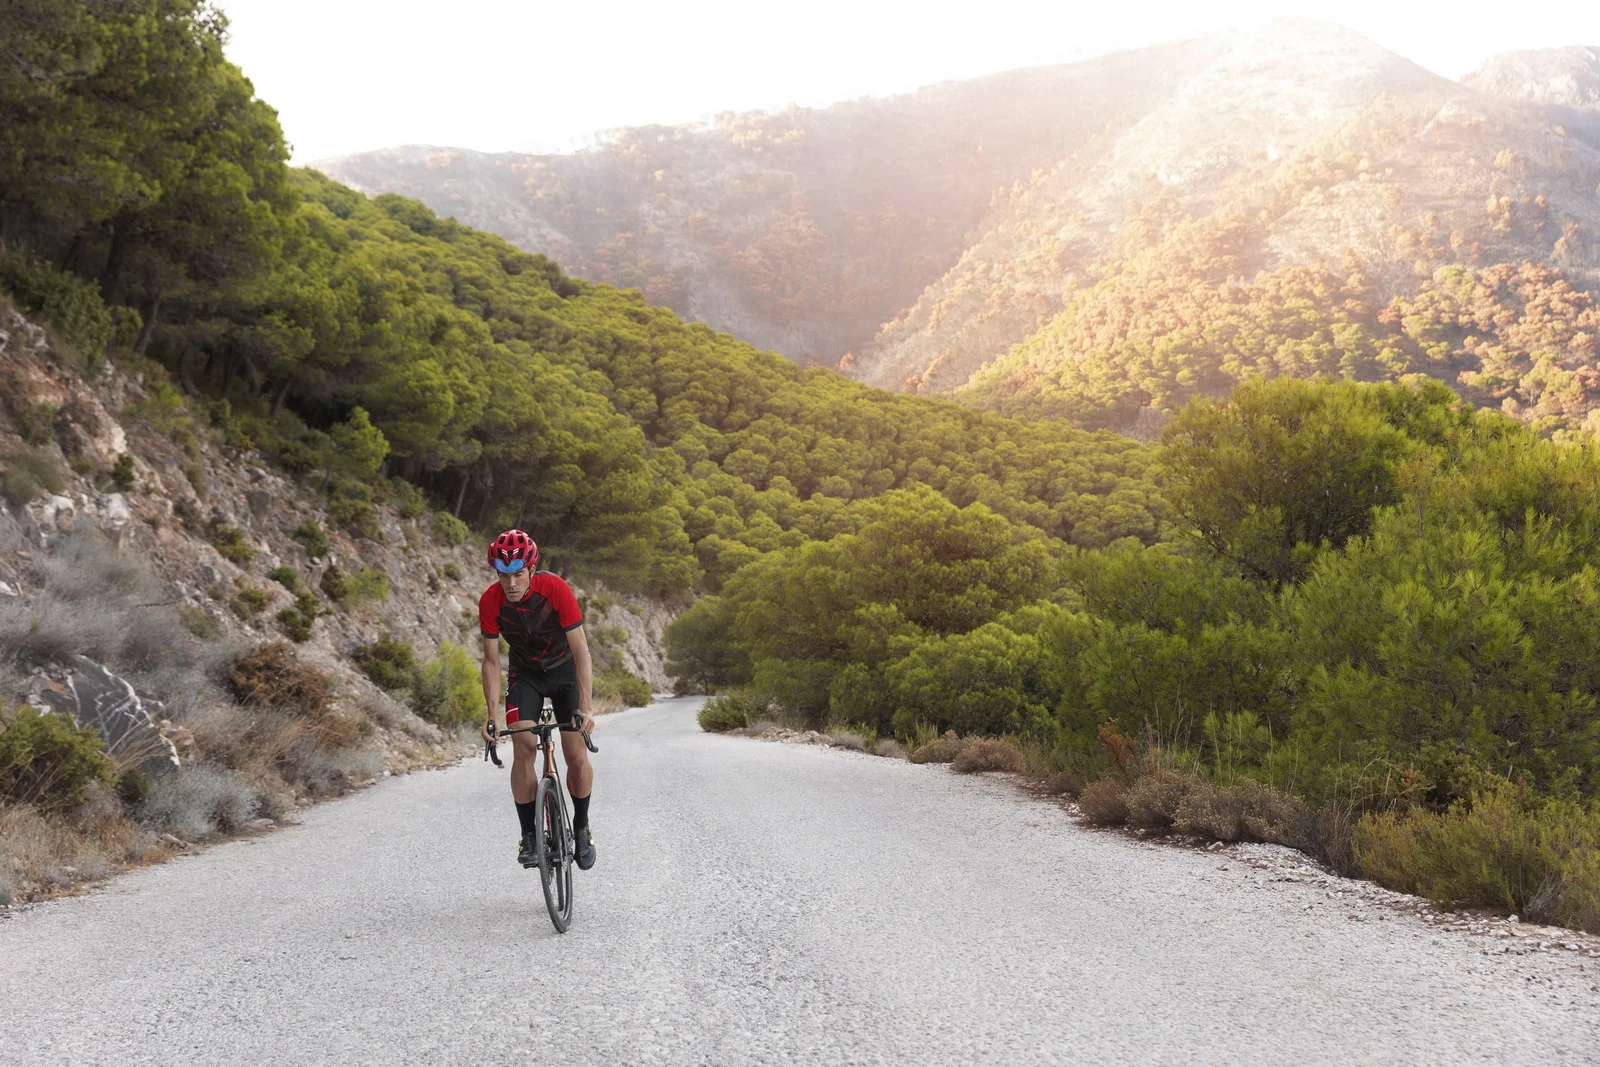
489,746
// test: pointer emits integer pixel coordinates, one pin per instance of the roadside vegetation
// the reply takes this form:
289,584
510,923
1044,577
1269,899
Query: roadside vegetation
1372,636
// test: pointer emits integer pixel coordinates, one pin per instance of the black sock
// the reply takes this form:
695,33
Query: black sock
580,812
525,817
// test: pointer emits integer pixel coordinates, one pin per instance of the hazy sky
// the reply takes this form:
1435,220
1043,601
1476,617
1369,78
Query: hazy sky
534,75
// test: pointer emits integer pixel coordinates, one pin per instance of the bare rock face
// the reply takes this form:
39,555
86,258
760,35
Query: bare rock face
97,699
1554,77
643,620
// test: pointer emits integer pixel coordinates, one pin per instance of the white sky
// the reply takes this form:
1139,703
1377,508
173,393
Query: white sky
541,75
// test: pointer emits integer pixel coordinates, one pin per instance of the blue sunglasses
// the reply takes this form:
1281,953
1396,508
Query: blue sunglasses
509,568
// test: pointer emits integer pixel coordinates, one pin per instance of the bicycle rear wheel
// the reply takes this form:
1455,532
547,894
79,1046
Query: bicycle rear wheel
555,857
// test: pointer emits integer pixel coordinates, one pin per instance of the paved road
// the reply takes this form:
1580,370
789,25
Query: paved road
753,903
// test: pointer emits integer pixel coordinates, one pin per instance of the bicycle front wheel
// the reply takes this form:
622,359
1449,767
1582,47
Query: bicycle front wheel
555,855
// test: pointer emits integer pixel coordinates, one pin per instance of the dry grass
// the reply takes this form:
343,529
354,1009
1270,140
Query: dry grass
979,754
41,855
849,739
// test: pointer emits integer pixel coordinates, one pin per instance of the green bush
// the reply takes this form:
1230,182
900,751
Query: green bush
233,544
391,664
451,530
452,572
250,602
618,682
287,577
335,586
69,303
1502,849
47,761
732,710
369,585
122,473
36,423
297,621
411,499
448,690
297,457
309,534
29,473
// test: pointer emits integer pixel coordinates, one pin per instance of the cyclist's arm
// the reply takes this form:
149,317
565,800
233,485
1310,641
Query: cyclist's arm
491,682
581,659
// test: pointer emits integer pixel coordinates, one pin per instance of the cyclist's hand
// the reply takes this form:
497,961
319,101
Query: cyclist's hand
587,720
483,730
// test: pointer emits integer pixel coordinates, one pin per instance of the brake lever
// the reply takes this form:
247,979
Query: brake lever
589,742
490,752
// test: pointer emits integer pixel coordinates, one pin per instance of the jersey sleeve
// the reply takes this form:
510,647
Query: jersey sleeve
567,611
489,612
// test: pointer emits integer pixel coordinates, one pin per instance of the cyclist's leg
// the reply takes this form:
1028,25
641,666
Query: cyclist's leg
580,772
524,746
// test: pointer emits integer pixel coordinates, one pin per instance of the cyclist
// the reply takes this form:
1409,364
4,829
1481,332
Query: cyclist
539,618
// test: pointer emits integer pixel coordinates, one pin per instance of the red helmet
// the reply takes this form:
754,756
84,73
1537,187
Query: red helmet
512,551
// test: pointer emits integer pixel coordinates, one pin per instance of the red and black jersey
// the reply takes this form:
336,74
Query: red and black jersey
536,626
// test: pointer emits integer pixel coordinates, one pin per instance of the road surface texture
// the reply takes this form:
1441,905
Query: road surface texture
753,903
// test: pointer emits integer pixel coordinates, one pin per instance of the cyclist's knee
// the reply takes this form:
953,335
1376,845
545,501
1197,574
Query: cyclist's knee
577,754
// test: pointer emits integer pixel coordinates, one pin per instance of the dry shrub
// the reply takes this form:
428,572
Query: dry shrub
1153,798
1278,818
197,801
1212,813
939,750
890,749
1122,750
850,740
104,605
1062,784
979,754
1104,802
272,675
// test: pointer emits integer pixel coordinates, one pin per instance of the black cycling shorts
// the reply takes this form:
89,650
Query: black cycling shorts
527,693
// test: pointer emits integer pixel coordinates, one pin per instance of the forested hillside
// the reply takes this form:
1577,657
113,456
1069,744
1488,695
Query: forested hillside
338,332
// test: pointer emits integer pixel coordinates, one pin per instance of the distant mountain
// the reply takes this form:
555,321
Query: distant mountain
800,231
1101,240
1560,77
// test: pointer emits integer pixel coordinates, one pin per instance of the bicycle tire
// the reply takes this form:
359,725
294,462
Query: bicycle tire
555,853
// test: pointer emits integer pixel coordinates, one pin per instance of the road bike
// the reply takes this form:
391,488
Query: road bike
555,844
